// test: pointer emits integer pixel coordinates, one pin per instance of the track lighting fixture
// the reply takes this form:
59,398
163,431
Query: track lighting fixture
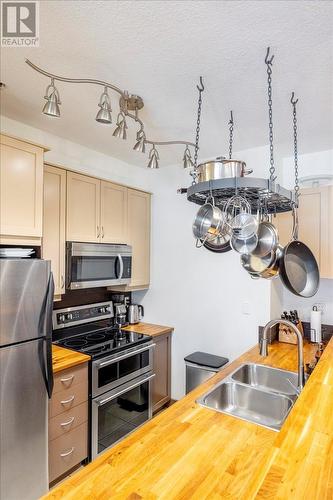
104,113
187,158
51,107
129,107
140,144
153,158
121,128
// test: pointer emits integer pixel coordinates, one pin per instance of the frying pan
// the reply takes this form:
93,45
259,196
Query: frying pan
298,266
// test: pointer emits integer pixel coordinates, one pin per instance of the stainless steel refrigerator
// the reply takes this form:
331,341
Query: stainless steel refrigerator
26,378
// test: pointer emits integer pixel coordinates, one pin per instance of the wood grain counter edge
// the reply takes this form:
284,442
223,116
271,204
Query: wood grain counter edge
66,358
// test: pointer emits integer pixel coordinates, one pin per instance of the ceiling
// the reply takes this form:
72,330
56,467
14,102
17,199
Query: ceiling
158,50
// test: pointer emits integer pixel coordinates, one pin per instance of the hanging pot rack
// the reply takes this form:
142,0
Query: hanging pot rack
258,191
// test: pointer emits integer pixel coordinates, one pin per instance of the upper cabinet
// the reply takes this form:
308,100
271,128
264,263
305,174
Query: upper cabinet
113,213
104,212
21,191
139,236
315,216
54,224
83,208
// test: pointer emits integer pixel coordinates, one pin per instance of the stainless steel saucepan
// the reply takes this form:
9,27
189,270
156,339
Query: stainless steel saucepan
221,169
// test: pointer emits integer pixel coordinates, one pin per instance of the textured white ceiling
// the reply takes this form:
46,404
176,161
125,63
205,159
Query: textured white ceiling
158,49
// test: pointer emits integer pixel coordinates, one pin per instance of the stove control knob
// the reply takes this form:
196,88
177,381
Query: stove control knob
61,318
68,316
102,310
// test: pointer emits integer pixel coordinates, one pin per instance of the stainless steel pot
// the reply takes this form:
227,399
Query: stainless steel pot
263,267
207,222
221,169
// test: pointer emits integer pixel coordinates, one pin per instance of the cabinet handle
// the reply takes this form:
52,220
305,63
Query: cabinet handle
62,282
68,379
67,452
98,232
66,401
70,421
102,231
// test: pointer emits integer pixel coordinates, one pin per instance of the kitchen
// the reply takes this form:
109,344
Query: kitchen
88,191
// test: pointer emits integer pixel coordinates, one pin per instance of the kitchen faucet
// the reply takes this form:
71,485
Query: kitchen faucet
263,346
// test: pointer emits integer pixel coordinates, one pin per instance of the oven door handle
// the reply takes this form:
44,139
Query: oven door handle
133,386
124,356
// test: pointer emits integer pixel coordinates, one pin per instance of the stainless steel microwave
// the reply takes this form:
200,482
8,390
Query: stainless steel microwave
91,265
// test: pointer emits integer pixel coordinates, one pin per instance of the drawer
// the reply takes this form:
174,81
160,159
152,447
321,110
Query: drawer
64,401
67,451
66,379
64,423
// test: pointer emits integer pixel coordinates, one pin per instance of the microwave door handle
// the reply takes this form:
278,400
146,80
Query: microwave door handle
121,266
124,356
133,386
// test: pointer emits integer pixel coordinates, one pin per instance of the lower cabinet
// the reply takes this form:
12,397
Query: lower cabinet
68,420
162,369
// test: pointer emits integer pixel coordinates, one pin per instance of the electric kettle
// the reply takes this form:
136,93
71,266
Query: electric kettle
135,313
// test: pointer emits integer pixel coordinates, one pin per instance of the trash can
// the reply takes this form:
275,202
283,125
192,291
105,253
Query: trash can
200,366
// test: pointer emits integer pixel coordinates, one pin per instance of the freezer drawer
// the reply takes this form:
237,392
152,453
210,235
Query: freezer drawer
23,423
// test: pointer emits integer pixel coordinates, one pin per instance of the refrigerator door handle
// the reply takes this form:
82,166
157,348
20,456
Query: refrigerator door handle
45,327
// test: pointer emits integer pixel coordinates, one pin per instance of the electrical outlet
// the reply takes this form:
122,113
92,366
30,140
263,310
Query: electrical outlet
320,306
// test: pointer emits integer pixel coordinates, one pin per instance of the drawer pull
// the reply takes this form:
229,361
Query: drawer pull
67,452
70,421
68,379
67,401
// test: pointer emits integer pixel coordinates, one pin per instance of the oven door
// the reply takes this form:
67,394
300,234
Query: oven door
90,265
121,367
119,412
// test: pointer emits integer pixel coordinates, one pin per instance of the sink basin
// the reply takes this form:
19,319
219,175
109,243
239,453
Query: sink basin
266,377
247,402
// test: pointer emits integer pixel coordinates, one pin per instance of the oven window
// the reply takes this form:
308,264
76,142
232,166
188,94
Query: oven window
93,268
123,368
122,415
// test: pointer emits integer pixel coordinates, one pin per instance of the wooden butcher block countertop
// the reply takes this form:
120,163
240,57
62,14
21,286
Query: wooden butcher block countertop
188,451
149,329
66,358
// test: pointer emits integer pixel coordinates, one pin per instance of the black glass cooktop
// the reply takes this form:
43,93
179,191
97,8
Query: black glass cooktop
97,340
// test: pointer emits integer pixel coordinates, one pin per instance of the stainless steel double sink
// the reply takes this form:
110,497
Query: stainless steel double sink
257,393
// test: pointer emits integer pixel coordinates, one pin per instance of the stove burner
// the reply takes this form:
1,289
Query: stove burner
95,336
75,343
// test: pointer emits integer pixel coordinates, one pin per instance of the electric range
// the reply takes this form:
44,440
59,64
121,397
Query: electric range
120,370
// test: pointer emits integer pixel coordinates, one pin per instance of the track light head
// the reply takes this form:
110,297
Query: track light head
51,107
140,144
104,113
187,158
121,128
153,158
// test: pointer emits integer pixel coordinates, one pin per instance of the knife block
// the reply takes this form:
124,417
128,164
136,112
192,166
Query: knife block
287,335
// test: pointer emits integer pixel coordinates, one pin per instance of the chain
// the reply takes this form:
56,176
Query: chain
269,63
200,89
294,102
231,134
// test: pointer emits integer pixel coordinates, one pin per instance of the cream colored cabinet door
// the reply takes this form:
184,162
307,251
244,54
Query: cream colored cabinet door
83,208
139,236
54,227
315,226
113,213
21,188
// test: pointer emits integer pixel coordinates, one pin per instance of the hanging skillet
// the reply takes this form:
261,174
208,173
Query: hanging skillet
298,266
